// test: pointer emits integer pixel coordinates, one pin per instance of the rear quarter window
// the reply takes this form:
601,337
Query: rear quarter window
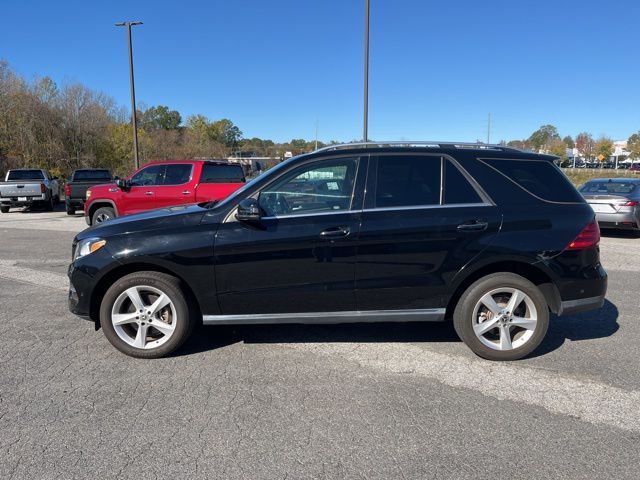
540,178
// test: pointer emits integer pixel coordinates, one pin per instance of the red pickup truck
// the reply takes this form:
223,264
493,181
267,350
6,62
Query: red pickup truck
163,184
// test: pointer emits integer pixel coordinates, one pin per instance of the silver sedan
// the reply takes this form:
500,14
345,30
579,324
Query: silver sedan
616,202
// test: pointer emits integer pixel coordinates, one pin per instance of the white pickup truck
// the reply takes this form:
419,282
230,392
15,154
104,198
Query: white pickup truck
26,187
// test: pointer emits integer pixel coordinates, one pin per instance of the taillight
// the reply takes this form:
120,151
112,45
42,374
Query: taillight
630,204
43,189
588,237
67,190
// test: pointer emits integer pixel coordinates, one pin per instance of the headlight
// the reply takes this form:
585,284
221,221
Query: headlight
88,194
87,246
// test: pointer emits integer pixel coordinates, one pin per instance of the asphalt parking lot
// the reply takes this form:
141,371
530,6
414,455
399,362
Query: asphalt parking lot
347,401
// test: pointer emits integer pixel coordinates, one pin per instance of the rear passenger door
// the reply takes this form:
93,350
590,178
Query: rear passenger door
424,219
175,187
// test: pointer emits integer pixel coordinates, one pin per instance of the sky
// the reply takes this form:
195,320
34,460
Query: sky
280,68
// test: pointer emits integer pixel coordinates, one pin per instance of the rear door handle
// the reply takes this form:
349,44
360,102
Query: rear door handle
186,192
148,193
473,226
335,232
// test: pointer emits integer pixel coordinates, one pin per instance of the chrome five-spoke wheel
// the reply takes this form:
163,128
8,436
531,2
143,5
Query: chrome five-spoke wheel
144,317
505,318
502,316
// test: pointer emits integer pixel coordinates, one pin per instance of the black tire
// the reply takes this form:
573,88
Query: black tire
169,285
71,210
463,315
102,214
50,204
5,209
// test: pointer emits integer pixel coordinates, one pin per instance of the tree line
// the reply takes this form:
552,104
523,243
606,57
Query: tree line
61,128
547,139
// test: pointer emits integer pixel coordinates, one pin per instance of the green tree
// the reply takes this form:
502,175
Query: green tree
558,148
160,117
225,132
568,141
633,146
542,138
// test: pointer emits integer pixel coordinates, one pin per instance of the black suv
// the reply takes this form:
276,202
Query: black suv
490,237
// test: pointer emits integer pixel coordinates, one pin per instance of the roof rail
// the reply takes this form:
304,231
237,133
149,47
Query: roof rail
419,144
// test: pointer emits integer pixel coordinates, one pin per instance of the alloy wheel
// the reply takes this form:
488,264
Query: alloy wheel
144,317
504,319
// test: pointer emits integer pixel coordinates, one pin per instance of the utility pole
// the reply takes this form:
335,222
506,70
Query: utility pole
489,130
134,123
316,134
365,132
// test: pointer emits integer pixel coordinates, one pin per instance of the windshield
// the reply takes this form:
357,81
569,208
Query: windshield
609,188
25,175
251,183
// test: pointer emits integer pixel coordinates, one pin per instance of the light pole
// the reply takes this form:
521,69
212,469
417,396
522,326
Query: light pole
365,131
133,91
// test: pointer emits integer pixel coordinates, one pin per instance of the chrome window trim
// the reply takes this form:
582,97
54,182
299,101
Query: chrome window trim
355,316
428,207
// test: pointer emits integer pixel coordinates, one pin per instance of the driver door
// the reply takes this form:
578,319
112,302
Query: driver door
301,258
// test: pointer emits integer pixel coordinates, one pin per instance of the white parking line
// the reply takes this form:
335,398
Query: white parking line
32,276
593,402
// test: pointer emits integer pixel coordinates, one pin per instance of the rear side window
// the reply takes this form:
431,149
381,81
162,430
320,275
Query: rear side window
25,175
212,173
457,188
177,174
91,175
408,181
539,177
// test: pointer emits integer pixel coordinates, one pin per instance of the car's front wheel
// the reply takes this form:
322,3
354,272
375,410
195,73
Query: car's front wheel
502,316
102,215
4,209
145,315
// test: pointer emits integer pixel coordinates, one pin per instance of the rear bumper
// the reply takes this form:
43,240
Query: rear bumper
77,203
16,202
626,220
570,307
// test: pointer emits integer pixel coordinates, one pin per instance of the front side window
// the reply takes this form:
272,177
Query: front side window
409,180
177,174
149,176
325,186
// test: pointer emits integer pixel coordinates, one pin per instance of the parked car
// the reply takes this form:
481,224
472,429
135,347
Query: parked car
75,191
24,187
163,184
489,237
635,168
616,202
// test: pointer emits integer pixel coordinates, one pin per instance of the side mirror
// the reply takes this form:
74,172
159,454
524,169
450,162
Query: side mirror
122,184
248,211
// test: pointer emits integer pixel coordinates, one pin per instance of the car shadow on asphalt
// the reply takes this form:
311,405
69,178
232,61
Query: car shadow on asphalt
585,326
609,233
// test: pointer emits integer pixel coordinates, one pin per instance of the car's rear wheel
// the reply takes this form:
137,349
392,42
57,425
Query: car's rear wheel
4,209
71,210
102,215
145,315
502,316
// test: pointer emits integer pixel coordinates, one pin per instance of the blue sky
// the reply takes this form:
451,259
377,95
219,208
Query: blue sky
276,67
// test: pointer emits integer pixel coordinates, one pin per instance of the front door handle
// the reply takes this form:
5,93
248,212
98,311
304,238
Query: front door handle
473,226
335,232
186,192
148,193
